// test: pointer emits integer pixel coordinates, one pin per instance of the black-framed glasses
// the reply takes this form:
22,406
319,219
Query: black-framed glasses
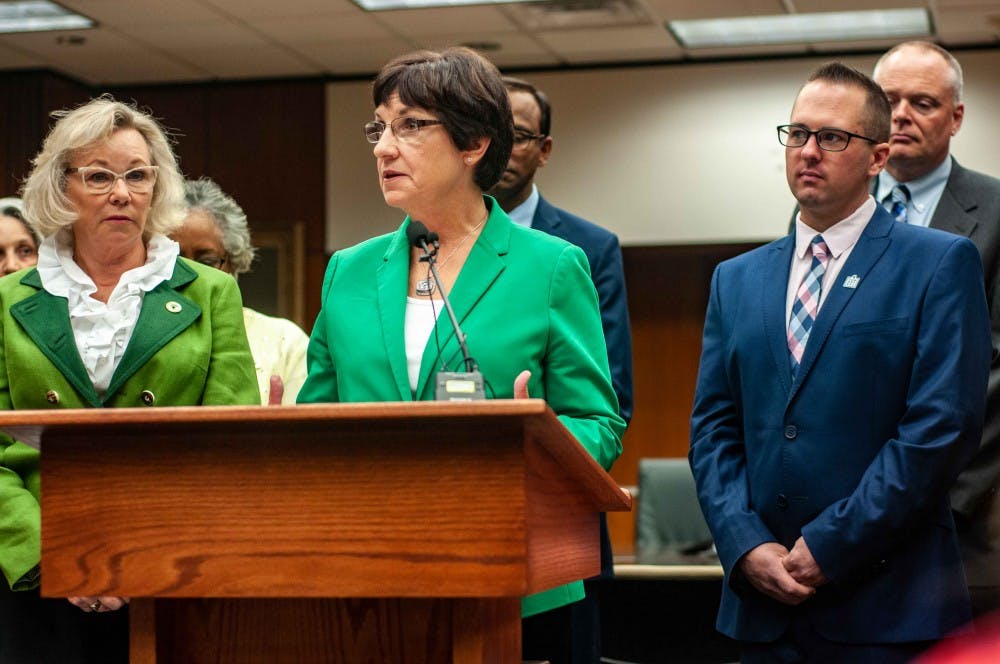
404,128
99,180
523,139
827,138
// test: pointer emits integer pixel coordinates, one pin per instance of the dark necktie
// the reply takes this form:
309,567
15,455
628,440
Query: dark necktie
900,197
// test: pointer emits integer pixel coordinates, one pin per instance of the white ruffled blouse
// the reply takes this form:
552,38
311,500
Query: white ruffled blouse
102,330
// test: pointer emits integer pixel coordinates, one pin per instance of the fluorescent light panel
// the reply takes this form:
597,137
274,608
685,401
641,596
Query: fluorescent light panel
802,28
379,5
39,15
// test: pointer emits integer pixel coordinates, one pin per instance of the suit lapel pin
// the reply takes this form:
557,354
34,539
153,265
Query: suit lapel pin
852,281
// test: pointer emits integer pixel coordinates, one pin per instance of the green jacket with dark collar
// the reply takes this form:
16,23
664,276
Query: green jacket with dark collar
188,348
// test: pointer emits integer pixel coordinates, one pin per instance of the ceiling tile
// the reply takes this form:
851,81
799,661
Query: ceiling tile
444,21
12,57
671,10
639,43
811,6
107,56
515,49
351,57
262,60
861,45
318,28
256,9
952,23
746,51
967,4
134,13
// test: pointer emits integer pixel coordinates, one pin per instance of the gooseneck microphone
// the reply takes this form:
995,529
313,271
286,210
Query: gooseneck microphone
451,385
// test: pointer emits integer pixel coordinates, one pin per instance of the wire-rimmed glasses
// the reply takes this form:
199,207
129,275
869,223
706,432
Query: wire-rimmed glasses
404,128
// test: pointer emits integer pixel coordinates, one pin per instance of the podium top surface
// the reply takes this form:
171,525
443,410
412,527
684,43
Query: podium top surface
32,426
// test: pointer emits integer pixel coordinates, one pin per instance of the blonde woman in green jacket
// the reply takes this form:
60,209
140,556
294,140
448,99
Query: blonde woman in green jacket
109,317
441,136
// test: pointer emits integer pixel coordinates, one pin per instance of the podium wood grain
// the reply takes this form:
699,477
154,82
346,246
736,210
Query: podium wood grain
414,527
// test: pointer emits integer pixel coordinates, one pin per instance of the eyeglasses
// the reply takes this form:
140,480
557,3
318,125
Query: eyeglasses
211,260
829,139
523,139
404,128
97,180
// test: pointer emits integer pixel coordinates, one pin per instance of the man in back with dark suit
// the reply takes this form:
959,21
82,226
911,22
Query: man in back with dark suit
573,633
923,185
841,389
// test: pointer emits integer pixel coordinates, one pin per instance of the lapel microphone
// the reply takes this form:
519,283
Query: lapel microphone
450,385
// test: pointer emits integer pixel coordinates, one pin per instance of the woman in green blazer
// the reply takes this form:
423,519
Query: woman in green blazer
109,317
442,135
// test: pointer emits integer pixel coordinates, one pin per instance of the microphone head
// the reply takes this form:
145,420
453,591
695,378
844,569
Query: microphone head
416,233
432,238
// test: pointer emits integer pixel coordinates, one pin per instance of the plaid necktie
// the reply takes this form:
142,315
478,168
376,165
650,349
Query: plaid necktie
807,302
899,196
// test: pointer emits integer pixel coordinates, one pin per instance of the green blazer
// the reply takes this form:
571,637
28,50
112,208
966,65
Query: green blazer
189,347
524,299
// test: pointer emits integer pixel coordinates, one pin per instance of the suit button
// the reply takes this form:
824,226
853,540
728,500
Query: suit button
147,397
782,502
52,397
791,431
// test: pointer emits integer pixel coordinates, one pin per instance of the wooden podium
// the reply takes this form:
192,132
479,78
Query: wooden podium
389,532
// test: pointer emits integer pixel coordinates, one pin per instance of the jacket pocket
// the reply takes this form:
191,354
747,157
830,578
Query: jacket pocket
885,326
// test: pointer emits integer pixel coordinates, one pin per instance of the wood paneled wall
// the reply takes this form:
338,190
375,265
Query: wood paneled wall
26,98
668,293
264,144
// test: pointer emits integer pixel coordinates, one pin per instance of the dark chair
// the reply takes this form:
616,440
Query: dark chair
669,522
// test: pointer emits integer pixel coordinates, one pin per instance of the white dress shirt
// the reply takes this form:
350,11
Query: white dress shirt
840,240
102,330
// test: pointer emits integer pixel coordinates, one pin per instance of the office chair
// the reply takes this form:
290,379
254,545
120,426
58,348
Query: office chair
669,521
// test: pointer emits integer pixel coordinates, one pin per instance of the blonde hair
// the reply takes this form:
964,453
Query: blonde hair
46,205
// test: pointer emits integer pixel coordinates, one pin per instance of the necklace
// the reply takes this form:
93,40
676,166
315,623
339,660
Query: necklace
426,287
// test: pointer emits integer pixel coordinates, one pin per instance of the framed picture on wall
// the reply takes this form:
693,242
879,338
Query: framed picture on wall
275,284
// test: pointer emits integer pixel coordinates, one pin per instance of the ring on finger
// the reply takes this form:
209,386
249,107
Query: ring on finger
95,605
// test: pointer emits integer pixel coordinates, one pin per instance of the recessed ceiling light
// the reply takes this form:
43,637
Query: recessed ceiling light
38,16
802,28
379,5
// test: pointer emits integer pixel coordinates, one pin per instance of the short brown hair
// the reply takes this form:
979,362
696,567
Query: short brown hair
877,114
465,91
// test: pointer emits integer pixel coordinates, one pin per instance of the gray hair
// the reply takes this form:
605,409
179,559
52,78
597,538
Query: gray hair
203,194
14,208
931,47
84,128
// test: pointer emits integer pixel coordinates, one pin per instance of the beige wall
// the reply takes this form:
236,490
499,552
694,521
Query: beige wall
660,155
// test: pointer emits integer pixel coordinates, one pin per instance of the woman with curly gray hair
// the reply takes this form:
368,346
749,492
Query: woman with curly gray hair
109,317
215,233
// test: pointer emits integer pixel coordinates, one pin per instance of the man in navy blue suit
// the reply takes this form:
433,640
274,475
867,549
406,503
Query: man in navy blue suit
570,634
841,389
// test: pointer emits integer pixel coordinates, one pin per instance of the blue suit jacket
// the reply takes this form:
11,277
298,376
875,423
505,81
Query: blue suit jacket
857,454
605,257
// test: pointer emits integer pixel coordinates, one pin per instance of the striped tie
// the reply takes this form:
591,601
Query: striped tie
807,302
900,196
